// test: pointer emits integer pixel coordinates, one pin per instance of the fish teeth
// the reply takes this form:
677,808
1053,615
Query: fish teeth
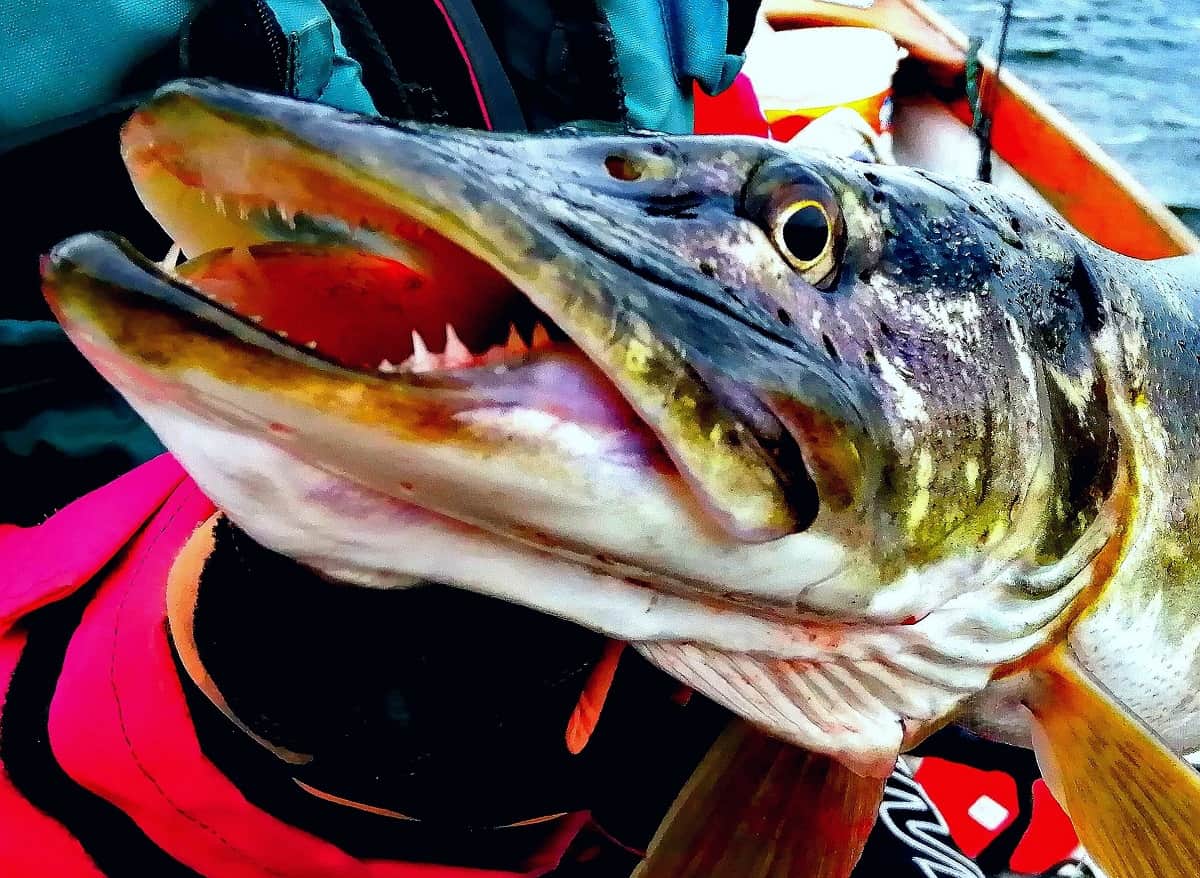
456,353
541,338
386,367
311,345
219,203
421,360
171,260
515,344
255,318
243,211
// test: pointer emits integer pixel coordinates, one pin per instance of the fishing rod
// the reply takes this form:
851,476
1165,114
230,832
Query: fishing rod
983,104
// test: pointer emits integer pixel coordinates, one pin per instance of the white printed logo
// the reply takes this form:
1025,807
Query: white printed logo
926,835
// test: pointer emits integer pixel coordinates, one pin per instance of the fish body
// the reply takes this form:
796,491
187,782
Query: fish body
855,451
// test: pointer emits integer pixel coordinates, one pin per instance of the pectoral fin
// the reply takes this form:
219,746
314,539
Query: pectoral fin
1134,803
760,807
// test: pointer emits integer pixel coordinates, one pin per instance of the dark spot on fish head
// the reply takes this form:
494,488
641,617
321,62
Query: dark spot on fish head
830,348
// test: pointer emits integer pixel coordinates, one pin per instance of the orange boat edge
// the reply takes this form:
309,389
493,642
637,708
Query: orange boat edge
1037,142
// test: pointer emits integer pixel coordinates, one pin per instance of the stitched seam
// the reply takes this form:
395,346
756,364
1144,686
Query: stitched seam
295,73
133,581
669,30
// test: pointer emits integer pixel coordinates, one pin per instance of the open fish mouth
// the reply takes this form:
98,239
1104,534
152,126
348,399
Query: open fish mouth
430,261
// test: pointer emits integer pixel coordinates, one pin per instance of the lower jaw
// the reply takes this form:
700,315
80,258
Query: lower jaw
599,507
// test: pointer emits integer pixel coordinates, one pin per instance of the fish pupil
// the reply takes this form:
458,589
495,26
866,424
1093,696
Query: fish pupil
806,232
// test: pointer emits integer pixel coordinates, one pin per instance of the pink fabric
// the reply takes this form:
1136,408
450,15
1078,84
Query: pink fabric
32,843
46,563
119,726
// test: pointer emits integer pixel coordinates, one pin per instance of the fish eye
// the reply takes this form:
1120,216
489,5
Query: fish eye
803,232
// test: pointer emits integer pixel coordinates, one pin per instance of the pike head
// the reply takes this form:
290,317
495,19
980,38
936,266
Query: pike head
793,426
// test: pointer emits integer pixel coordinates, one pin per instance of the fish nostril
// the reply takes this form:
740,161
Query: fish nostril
623,167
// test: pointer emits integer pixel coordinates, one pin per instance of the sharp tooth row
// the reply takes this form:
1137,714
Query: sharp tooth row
457,355
244,208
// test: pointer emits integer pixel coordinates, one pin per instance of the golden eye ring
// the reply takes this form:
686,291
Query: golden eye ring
803,234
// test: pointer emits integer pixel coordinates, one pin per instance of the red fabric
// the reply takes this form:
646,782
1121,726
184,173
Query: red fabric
956,789
40,565
1051,837
734,111
31,843
46,563
119,724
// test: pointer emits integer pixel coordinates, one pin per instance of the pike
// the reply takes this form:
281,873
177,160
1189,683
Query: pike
854,451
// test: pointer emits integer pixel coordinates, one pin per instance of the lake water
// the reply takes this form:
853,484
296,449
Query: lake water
1126,71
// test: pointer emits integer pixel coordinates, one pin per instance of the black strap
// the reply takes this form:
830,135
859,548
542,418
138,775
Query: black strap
393,96
499,97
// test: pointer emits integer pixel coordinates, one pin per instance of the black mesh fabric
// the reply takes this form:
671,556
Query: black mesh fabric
435,702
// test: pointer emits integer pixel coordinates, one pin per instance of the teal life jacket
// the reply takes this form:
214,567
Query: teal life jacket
63,61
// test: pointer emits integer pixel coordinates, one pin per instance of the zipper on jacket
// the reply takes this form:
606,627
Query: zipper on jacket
277,44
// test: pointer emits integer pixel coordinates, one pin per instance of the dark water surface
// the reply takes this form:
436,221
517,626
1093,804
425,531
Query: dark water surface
1125,71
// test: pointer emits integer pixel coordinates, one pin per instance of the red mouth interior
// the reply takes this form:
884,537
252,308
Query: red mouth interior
361,310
